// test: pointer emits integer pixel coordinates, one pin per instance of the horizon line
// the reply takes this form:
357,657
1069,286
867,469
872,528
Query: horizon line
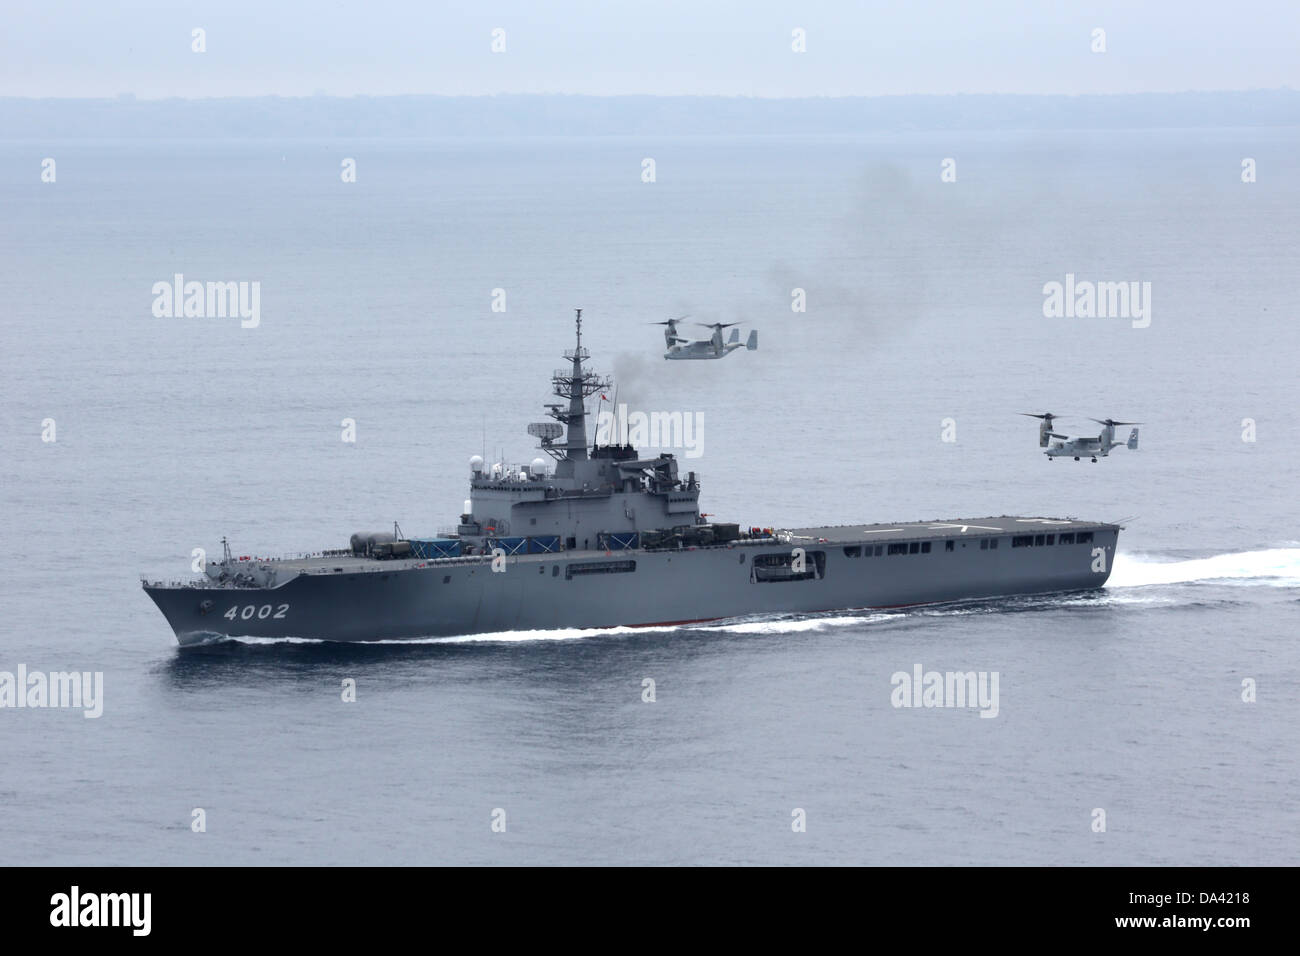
129,96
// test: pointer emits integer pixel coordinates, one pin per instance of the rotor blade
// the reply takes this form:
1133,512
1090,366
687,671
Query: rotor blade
1047,416
716,325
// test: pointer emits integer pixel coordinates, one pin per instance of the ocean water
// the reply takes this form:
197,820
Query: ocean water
924,303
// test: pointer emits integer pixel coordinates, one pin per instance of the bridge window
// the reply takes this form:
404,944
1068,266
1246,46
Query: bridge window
898,548
993,544
1067,538
914,547
1022,541
853,551
925,547
1084,537
1038,540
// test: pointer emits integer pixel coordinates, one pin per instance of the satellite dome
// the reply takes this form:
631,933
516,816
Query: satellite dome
476,464
538,467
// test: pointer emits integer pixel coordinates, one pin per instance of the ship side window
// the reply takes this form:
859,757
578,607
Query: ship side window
1051,539
993,544
1022,541
446,579
984,544
900,548
880,549
948,545
572,571
1084,537
555,570
1038,540
1067,538
853,551
925,547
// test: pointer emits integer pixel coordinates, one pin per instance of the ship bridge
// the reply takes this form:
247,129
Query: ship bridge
593,491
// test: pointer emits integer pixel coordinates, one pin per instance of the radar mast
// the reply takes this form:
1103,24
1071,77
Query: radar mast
576,384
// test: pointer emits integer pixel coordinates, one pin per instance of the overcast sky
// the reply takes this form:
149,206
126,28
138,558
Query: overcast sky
727,47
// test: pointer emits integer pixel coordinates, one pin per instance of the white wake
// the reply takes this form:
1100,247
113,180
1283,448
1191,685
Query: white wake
1279,567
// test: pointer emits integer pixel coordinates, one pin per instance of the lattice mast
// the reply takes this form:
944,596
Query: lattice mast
576,384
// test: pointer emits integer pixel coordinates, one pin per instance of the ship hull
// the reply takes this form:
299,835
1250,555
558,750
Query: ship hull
633,588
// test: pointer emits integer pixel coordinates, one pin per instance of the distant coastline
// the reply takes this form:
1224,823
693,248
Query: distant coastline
420,117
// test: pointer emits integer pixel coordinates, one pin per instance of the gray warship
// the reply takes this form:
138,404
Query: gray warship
606,538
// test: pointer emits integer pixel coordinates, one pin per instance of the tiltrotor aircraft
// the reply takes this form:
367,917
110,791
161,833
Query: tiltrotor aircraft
710,348
1076,448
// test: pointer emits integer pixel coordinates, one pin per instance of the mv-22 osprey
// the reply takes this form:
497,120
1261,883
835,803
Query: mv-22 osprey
710,348
1076,448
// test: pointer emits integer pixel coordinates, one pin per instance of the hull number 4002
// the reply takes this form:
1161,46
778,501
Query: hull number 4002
249,611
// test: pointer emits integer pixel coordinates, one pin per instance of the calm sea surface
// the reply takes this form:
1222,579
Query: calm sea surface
924,303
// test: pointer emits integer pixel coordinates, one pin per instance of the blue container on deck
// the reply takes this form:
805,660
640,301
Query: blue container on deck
623,540
430,548
544,544
509,545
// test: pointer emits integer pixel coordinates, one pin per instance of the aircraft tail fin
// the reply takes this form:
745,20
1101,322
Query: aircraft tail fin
735,337
752,344
1133,440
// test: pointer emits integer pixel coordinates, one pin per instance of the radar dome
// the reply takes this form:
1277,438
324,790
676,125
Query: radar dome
538,467
476,464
